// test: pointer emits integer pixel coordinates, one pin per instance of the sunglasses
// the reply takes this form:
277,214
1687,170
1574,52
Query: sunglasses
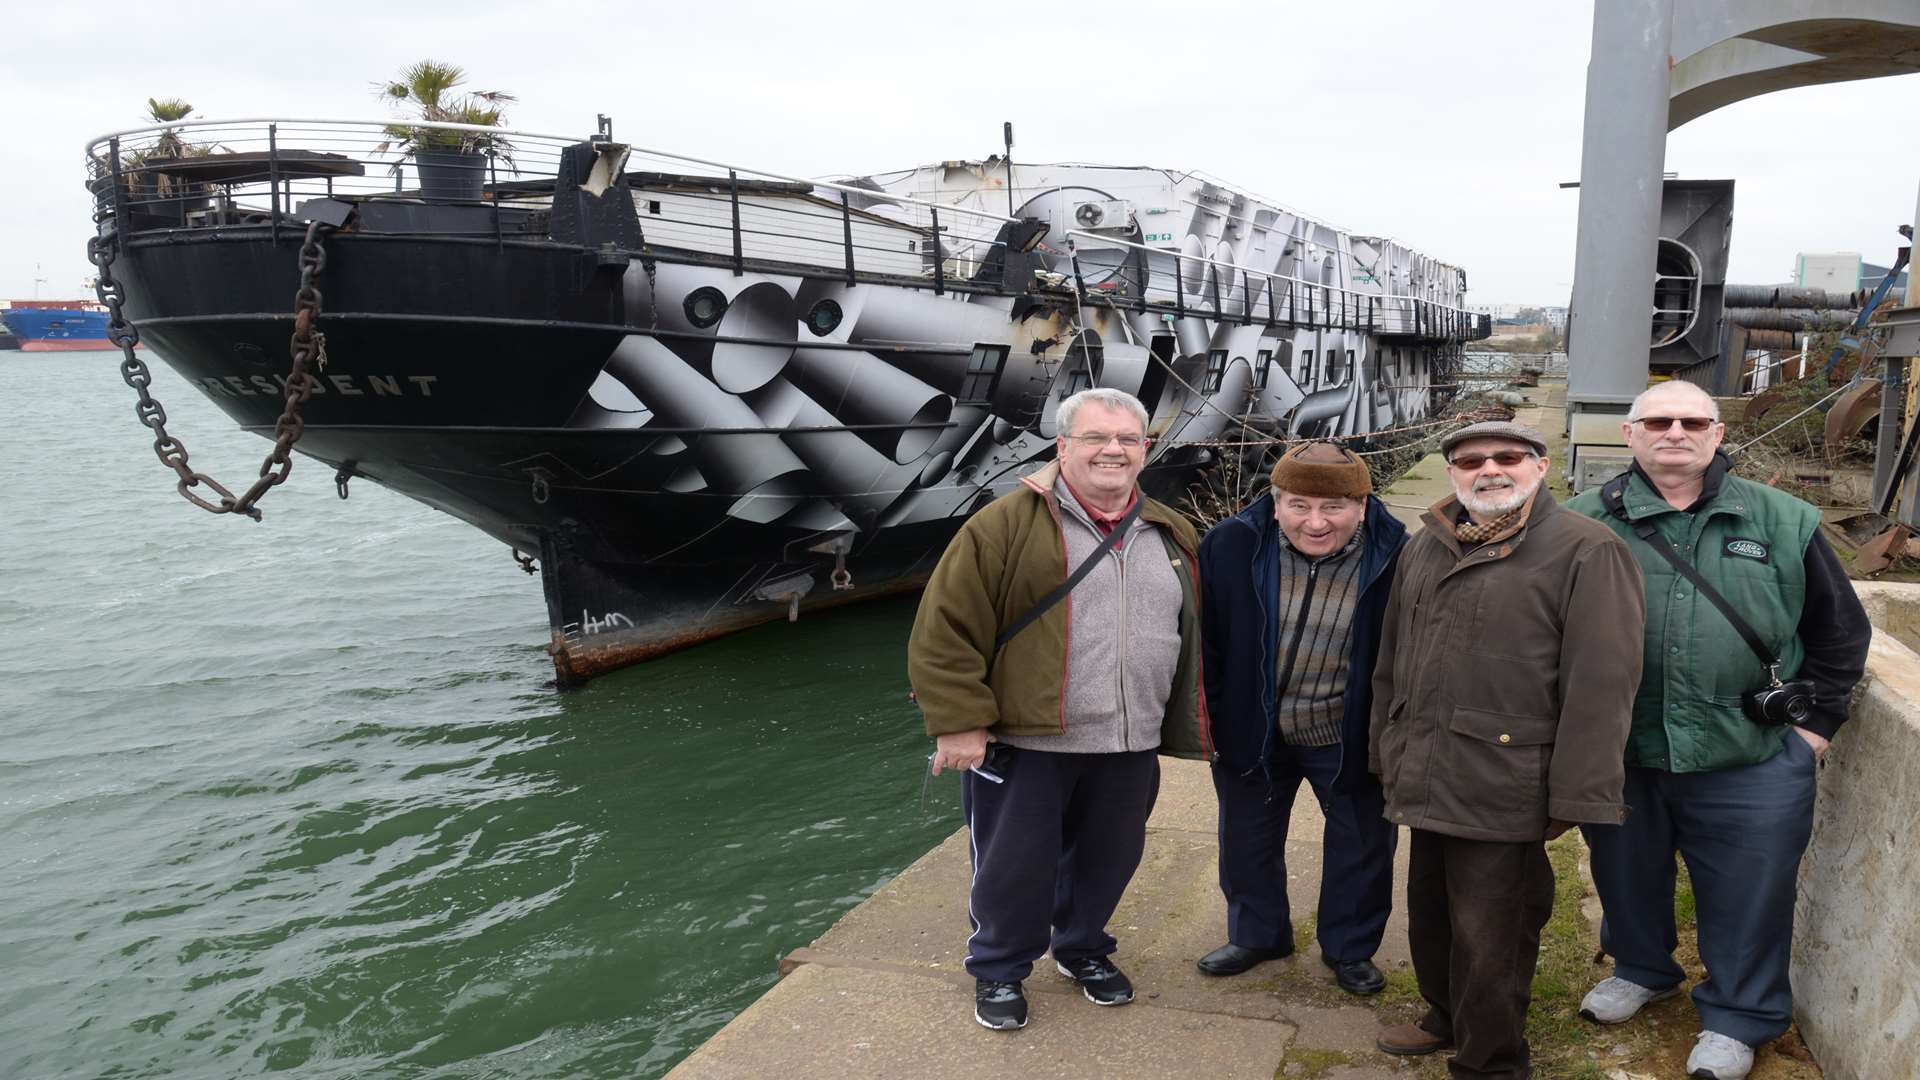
1506,459
1658,424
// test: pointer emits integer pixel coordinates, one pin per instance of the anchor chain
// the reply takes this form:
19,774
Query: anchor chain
308,346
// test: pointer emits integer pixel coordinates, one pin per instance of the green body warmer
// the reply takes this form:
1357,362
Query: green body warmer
1750,543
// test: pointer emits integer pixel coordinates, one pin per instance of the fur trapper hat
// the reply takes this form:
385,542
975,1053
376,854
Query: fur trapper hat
1322,470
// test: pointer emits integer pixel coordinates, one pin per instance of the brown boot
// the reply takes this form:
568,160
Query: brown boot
1410,1040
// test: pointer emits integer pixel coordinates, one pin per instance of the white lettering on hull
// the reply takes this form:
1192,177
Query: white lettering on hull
588,625
235,386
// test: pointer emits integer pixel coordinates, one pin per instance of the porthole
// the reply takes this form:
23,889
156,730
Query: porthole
705,305
823,317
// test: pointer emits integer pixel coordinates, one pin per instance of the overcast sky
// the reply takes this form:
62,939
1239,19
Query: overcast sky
1448,126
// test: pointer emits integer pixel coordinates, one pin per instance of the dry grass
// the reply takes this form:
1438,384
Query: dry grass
1653,1045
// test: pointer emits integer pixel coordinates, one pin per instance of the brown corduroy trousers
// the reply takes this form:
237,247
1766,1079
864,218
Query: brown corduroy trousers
1475,909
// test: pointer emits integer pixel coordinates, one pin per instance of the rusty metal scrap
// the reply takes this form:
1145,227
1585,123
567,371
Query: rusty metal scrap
1850,414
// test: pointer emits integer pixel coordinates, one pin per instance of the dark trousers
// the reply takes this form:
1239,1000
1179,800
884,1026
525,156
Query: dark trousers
1742,832
1475,909
1053,847
1356,878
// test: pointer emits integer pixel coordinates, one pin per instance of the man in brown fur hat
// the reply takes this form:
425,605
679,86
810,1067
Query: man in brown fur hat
1295,588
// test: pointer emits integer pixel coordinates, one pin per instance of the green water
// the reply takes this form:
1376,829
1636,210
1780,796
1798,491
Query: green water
297,797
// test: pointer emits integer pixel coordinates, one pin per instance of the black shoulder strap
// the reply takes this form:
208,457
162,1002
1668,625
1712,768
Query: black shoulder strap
1040,607
1613,496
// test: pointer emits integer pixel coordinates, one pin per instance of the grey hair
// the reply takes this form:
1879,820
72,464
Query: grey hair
1639,403
1100,395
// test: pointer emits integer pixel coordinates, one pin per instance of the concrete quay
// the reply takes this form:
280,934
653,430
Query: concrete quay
883,992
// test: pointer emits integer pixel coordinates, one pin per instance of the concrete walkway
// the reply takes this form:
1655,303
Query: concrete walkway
883,992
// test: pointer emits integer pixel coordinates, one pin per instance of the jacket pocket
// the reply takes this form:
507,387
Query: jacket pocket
1499,761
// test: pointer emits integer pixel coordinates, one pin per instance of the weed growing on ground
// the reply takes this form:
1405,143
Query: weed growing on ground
1304,1063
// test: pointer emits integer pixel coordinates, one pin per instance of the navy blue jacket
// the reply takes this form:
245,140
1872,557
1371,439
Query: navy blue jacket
1240,635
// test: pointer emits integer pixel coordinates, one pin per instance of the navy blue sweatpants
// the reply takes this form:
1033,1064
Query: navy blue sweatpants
1742,832
1356,880
1053,846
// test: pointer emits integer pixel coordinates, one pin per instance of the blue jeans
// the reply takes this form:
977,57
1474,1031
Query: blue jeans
1742,832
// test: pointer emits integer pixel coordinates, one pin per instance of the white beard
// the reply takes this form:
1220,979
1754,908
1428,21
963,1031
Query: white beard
1496,500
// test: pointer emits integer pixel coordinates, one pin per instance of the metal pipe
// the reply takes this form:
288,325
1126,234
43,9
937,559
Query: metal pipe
1787,296
1788,318
1893,407
939,263
733,196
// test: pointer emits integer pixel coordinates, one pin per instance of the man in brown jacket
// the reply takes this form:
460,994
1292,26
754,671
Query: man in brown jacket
1058,710
1501,704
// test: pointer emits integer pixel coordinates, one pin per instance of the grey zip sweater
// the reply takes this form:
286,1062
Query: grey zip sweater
1124,628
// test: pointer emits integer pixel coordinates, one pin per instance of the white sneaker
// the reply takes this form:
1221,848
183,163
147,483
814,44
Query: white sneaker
1614,1000
1717,1057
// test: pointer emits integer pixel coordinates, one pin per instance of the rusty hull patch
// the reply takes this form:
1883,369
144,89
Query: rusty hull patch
574,662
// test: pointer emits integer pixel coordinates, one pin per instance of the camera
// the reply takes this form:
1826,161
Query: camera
1788,702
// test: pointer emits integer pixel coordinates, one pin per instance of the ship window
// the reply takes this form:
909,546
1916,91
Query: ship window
1216,370
1261,372
705,305
823,317
1306,368
983,373
653,206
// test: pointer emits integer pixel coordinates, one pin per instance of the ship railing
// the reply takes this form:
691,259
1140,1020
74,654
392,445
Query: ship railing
216,174
1127,274
260,171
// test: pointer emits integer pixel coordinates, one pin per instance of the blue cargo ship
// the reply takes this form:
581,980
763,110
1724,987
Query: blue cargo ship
56,325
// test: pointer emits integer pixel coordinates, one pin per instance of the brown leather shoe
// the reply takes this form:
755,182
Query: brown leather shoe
1410,1040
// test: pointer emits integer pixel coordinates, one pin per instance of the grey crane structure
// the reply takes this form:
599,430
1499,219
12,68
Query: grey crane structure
1657,64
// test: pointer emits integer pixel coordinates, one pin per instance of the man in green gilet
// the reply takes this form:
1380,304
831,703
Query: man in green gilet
1734,798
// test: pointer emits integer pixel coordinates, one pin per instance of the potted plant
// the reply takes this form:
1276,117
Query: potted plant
145,184
178,195
451,164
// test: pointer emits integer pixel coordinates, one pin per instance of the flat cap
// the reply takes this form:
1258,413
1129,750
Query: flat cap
1494,429
1322,470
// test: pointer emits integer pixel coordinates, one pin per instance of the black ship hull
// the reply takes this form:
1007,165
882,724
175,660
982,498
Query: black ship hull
688,441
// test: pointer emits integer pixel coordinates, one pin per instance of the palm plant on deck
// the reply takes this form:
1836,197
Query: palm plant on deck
143,175
167,111
427,87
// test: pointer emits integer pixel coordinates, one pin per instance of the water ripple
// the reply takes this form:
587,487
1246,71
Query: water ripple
298,797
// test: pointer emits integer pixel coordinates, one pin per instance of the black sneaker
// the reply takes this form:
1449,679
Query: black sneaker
1001,1006
1099,980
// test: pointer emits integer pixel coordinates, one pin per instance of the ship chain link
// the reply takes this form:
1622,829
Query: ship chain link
308,346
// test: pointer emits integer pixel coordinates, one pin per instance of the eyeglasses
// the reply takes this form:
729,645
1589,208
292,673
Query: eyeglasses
1658,424
1094,440
1506,459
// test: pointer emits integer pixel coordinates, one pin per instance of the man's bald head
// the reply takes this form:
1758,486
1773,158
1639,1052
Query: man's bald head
1671,395
1673,430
